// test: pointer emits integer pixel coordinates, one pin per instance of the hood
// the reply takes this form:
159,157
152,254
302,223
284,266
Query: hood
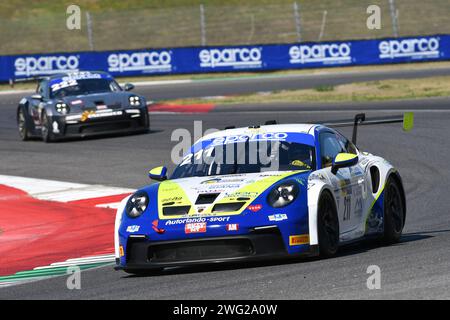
98,101
214,195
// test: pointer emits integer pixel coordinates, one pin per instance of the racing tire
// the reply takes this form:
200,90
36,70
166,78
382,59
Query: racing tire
394,214
46,129
327,225
22,124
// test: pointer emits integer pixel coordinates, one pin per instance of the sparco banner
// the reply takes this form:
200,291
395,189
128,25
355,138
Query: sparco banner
230,58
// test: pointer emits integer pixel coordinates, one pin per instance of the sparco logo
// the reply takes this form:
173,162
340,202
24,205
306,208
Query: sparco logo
321,53
410,48
150,61
232,57
31,66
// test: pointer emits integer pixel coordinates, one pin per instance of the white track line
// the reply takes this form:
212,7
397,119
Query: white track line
61,191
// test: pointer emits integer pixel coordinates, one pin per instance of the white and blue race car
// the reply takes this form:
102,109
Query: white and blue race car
261,192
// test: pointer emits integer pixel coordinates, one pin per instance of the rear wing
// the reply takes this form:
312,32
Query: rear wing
360,120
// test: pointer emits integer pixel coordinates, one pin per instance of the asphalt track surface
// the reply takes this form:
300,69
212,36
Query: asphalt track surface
417,267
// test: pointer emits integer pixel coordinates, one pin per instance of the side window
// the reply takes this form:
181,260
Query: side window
346,144
330,147
41,88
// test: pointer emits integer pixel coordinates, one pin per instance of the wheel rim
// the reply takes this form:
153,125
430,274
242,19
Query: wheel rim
44,128
329,224
394,207
21,123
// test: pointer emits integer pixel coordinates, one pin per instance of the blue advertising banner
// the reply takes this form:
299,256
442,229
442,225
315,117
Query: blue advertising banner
232,58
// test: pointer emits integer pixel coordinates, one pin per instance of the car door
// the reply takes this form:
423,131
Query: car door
344,182
38,105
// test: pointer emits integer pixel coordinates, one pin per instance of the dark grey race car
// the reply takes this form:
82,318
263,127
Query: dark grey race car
81,104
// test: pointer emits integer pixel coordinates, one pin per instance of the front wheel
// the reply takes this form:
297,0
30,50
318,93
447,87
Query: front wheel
46,128
328,226
22,124
394,214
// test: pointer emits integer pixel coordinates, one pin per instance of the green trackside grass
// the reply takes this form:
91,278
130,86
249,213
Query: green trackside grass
363,91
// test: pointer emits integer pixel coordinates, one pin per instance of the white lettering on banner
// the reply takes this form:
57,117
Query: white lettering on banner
321,53
418,48
232,57
151,61
31,66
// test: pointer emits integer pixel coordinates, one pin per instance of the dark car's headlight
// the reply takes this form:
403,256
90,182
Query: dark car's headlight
62,108
283,194
134,101
137,204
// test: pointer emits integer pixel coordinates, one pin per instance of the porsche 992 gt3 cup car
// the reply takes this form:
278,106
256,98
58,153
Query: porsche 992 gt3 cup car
314,191
81,104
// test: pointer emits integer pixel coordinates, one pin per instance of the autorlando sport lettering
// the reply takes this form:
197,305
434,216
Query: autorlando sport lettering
233,57
31,66
196,220
411,48
321,53
150,61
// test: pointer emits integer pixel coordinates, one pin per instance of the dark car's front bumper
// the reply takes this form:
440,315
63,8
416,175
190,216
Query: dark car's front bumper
102,126
144,254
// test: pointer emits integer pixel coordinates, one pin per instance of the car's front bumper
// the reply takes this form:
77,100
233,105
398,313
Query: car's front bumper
71,126
256,246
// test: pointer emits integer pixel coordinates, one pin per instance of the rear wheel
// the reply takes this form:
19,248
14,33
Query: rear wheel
46,128
328,226
22,124
394,215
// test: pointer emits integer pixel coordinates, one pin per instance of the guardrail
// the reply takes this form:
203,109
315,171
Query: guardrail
231,58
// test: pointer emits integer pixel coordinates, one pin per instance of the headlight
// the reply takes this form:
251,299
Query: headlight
134,101
137,204
62,108
283,194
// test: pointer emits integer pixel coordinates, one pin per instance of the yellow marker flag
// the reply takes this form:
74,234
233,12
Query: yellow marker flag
408,121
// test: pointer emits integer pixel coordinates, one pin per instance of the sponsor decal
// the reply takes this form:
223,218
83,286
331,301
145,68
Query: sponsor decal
90,114
254,207
269,136
147,62
52,64
232,227
133,228
213,219
417,48
231,57
195,227
75,102
278,217
121,252
155,227
211,181
333,53
297,240
102,107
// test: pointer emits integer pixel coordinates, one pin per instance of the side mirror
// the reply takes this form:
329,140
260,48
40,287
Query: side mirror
344,160
128,87
37,97
158,174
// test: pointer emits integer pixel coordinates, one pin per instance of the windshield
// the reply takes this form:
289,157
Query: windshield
75,87
246,157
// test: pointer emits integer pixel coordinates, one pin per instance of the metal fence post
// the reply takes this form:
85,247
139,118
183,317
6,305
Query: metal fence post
322,27
89,30
298,27
203,24
394,17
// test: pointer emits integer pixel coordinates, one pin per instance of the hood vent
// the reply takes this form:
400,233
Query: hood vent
206,198
228,207
176,210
